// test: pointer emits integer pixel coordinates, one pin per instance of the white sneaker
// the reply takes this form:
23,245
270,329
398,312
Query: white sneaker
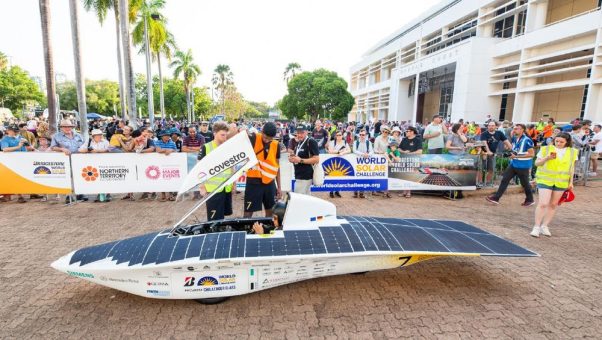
535,232
545,231
592,174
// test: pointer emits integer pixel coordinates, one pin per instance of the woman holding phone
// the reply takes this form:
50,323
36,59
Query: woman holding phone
555,170
338,146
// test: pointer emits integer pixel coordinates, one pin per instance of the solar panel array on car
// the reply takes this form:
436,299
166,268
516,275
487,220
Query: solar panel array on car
354,235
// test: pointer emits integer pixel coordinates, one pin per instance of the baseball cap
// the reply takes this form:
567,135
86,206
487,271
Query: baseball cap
301,127
567,196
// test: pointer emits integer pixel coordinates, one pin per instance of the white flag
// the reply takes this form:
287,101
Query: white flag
236,154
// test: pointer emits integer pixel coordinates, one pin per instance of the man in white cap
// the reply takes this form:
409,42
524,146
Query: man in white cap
66,140
96,143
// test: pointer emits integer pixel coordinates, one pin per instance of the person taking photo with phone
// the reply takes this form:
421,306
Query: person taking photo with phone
555,168
521,162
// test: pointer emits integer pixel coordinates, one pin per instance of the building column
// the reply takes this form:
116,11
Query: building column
486,30
415,110
537,14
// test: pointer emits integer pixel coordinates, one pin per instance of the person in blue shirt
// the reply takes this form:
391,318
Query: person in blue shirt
166,146
12,142
521,162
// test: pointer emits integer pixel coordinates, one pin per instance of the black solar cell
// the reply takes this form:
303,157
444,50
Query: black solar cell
194,249
461,226
364,236
252,248
153,250
457,242
223,246
140,250
238,244
356,244
208,251
377,237
167,249
415,239
500,246
180,250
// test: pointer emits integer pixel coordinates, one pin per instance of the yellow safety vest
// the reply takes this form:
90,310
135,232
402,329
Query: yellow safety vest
556,172
214,182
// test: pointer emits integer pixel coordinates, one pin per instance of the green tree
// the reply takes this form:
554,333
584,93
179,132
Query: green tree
3,61
184,65
175,97
101,7
223,79
17,89
290,71
319,93
102,96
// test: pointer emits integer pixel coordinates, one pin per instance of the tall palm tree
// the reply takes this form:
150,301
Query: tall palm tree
130,82
290,71
3,61
101,7
222,79
79,76
161,41
184,65
48,64
167,50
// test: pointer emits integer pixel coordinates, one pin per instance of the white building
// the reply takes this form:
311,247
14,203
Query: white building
517,60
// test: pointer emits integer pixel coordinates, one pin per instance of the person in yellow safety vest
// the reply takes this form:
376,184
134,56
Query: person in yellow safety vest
540,125
555,169
220,204
263,180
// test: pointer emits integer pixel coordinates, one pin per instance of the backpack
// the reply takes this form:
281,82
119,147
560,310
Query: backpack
357,145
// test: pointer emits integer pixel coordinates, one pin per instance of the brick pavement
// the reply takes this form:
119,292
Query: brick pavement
556,296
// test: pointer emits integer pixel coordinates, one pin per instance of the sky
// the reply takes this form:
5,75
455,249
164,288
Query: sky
257,39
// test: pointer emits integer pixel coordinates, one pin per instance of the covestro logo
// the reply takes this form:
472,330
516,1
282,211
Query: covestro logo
229,163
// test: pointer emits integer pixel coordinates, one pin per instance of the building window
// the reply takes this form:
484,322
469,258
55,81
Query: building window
521,22
504,103
446,99
585,91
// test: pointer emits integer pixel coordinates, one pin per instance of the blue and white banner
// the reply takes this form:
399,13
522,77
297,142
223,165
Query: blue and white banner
353,173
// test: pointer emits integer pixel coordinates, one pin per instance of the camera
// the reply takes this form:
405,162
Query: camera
507,154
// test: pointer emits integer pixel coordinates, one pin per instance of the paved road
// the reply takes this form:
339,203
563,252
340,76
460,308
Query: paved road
556,296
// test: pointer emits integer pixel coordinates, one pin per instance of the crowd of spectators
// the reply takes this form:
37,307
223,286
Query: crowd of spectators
391,139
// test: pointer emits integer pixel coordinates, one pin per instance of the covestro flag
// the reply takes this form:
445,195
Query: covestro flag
236,153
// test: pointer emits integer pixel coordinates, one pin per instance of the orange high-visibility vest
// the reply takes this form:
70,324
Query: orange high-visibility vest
266,168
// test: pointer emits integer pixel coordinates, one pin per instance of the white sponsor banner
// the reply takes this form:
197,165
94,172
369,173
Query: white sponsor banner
123,173
34,173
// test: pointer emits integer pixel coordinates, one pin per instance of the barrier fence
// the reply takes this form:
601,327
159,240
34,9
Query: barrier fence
57,173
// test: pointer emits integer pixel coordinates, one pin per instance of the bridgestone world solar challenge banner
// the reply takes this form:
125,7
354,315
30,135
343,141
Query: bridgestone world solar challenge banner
34,173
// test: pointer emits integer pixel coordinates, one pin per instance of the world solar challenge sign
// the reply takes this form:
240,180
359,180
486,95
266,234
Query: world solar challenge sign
353,173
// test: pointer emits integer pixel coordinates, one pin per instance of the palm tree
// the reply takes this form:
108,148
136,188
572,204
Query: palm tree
290,71
3,61
79,77
161,41
222,79
184,65
48,64
130,83
101,7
